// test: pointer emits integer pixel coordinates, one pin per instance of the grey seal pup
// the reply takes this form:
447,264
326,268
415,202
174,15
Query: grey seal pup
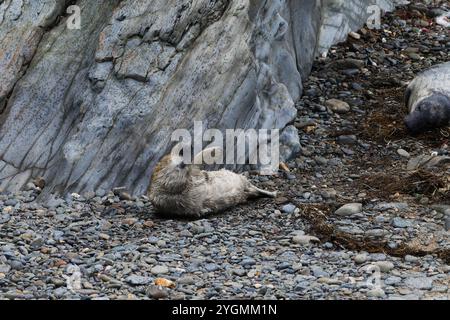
428,100
184,190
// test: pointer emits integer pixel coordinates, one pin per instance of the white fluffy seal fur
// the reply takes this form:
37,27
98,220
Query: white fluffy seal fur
184,190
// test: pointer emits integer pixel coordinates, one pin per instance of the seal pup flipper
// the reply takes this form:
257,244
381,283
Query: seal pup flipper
254,191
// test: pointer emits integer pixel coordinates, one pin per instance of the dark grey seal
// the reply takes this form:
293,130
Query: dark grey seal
428,100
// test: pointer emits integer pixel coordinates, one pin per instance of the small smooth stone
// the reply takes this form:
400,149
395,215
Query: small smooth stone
355,35
304,239
378,257
11,202
338,106
350,139
5,218
138,280
376,233
409,258
420,283
385,266
288,208
360,258
391,206
211,267
248,262
187,280
103,236
319,272
7,210
401,223
159,270
4,268
376,293
403,153
157,292
60,292
393,280
349,209
37,243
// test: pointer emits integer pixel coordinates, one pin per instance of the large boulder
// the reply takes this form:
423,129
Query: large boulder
95,107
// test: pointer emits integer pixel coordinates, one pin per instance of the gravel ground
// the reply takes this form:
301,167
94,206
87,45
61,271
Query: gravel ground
350,222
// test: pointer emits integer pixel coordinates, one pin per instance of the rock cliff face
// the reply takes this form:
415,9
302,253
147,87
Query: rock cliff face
94,108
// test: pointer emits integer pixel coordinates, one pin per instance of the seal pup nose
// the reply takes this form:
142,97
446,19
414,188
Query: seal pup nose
414,124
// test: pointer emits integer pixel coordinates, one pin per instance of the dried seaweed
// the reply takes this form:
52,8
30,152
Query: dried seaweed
317,216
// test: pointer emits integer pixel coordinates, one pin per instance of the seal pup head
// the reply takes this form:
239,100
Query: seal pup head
175,172
430,113
171,174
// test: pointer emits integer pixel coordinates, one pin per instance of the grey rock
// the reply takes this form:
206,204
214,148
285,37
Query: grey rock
157,292
4,218
392,280
427,162
304,239
404,297
57,234
211,267
403,153
378,257
360,258
160,269
400,206
54,202
348,63
186,233
187,280
376,232
289,143
376,293
152,240
138,280
11,202
401,223
338,106
60,292
248,262
288,208
442,208
4,268
16,265
385,266
349,209
411,259
37,243
342,17
350,140
420,283
319,272
239,272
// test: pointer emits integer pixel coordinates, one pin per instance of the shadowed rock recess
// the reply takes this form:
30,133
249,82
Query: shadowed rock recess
94,108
